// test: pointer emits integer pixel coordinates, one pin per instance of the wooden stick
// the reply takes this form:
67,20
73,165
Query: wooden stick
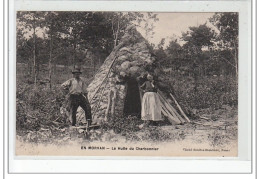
173,111
180,108
200,123
140,94
197,123
171,119
84,127
108,105
113,102
202,117
171,115
170,107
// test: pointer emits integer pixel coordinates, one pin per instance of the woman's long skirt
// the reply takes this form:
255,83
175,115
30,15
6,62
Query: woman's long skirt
151,107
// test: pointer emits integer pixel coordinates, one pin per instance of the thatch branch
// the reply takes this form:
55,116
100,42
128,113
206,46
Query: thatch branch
113,103
108,105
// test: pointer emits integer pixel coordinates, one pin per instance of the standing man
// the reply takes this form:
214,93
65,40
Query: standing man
77,96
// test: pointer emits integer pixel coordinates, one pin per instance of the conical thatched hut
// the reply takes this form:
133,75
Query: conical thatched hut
114,90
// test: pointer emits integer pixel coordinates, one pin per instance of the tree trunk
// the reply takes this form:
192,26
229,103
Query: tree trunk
74,52
203,67
94,65
195,81
29,67
236,60
34,57
54,66
116,33
99,61
196,70
50,62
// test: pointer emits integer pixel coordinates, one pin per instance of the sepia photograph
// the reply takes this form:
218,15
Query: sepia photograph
99,83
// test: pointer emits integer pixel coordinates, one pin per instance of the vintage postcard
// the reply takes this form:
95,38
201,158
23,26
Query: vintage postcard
99,83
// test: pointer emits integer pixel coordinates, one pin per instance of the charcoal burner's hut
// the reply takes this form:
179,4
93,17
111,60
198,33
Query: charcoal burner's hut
115,91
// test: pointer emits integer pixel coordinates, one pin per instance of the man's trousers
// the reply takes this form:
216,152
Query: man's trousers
75,101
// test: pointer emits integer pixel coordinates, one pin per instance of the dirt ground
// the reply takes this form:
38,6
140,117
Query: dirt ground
217,130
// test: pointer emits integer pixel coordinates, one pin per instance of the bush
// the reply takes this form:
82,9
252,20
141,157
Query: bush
37,107
212,92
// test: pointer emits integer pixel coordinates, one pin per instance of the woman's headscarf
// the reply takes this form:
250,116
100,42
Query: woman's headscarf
149,77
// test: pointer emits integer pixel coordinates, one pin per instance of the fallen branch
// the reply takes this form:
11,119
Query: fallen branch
201,123
202,117
197,123
55,123
84,127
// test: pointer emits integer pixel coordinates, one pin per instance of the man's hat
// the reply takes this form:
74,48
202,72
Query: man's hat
76,69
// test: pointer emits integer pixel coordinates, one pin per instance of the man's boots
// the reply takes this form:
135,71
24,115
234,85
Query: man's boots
89,121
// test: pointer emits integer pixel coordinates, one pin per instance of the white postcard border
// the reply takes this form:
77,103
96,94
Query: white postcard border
241,164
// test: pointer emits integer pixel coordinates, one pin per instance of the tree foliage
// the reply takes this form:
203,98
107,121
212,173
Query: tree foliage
78,32
227,24
207,61
198,36
69,38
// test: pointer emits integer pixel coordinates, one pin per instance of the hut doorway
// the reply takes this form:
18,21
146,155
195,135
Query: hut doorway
132,105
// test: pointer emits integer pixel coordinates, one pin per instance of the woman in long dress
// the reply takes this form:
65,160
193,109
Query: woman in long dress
151,104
